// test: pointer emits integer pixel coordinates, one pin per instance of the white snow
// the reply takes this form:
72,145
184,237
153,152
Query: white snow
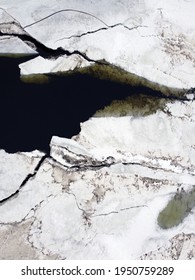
152,39
100,193
111,212
119,205
29,198
8,44
14,46
16,166
63,63
121,224
152,140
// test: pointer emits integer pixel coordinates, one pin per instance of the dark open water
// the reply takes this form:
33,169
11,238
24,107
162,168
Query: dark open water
30,114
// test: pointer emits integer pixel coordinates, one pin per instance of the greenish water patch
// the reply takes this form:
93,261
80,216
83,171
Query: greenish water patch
108,72
134,105
177,209
102,70
113,73
18,55
144,97
35,79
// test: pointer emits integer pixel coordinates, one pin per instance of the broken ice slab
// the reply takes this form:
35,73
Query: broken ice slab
13,170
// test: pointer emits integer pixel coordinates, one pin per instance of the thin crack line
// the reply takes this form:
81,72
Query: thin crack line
106,214
34,218
171,75
70,193
65,10
23,219
120,210
82,34
133,207
49,53
100,29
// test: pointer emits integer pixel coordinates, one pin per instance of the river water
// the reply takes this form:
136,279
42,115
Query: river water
32,113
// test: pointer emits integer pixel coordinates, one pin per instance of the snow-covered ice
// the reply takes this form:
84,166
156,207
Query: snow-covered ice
99,194
100,197
17,166
152,39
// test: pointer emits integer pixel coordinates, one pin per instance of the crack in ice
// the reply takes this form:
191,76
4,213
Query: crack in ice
44,51
100,29
28,177
120,210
